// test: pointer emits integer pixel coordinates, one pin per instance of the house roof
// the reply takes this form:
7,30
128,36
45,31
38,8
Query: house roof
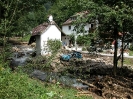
38,29
73,18
42,27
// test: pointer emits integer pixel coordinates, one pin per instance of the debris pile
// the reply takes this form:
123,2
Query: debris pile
110,88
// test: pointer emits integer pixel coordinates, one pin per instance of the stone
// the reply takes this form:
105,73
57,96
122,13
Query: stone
38,74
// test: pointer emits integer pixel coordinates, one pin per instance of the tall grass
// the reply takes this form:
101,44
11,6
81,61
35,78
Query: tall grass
14,85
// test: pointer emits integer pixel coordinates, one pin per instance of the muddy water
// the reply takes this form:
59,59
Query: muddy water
55,77
24,52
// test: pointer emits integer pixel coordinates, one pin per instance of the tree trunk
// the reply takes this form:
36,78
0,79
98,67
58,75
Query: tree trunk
122,50
115,51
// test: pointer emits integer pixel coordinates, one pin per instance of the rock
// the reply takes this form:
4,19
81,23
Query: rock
38,74
15,49
80,86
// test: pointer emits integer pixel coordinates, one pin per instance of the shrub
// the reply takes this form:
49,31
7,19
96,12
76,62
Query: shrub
25,38
131,48
54,45
84,49
38,62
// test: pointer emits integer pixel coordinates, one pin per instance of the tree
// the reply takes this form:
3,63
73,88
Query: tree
111,15
13,18
62,10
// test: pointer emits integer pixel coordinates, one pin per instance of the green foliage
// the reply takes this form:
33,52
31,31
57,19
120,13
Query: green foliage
62,92
5,53
38,62
21,15
1,41
86,39
54,45
26,38
83,40
43,62
18,17
130,52
131,47
128,61
62,10
84,49
19,86
72,38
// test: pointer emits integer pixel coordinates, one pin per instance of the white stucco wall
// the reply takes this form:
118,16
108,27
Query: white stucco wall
52,32
65,40
87,26
65,29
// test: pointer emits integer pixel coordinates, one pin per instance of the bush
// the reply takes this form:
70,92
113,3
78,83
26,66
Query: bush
83,40
38,62
131,48
84,49
1,41
54,45
25,38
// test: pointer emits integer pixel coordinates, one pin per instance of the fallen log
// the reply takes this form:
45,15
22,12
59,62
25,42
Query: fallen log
85,82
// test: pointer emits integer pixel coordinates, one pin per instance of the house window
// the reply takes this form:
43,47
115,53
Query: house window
69,27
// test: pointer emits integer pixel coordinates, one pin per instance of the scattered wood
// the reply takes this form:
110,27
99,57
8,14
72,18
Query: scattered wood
85,82
109,88
106,86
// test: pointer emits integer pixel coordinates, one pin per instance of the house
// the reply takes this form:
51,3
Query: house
43,32
68,27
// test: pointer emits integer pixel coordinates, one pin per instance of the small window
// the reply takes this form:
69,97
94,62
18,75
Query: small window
69,27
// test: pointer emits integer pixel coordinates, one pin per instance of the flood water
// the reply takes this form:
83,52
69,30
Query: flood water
19,59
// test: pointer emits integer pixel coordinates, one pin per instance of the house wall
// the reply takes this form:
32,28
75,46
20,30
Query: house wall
65,40
52,32
87,27
66,29
69,30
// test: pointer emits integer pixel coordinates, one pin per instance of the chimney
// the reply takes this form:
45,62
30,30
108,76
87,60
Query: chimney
50,18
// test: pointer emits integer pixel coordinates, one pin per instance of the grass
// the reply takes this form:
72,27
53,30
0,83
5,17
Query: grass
15,85
26,38
129,61
62,92
130,53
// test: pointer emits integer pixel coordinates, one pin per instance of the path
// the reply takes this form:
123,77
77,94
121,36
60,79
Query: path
79,49
104,54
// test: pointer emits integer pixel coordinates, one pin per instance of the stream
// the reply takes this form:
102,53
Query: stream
19,59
